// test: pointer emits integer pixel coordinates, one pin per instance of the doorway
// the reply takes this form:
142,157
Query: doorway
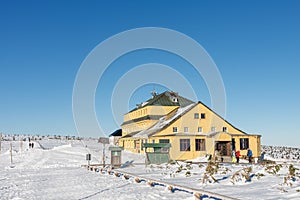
224,148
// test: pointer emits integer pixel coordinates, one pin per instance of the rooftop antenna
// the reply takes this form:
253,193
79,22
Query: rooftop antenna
153,93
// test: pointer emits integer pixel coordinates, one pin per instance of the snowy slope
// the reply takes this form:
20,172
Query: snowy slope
56,173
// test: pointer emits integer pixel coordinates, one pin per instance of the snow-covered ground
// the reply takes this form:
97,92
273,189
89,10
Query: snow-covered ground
52,170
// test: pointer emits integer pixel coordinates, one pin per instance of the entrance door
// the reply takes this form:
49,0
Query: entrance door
224,148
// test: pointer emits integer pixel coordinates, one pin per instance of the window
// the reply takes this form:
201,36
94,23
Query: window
196,115
186,129
164,141
244,143
202,115
174,129
185,145
153,141
224,129
213,129
200,144
199,129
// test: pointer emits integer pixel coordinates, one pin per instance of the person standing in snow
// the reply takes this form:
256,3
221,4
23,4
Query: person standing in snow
249,155
262,156
237,156
233,158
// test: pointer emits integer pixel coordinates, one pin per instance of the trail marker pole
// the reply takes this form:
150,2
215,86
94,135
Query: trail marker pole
0,141
103,156
21,145
11,160
104,141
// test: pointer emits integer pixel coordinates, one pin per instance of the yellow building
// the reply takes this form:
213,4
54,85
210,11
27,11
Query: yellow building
192,128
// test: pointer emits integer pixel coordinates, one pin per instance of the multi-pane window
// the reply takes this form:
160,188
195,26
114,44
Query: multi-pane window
200,144
224,129
196,115
175,129
200,129
164,141
244,143
186,129
185,145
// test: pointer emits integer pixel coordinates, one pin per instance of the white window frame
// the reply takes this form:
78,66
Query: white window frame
200,129
186,129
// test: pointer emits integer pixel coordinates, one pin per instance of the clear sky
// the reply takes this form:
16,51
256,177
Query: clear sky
255,45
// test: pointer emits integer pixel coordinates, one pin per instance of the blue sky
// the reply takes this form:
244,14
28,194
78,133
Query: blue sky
255,45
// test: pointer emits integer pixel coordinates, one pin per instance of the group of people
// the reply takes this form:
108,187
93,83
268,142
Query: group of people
237,154
31,145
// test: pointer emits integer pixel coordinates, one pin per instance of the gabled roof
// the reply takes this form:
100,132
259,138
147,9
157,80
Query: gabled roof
221,117
116,133
164,122
167,98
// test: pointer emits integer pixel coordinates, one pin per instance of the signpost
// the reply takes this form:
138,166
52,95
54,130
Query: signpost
88,158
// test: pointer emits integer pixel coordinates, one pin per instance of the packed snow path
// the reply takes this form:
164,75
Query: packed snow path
57,174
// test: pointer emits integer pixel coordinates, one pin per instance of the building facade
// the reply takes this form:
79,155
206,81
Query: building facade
192,129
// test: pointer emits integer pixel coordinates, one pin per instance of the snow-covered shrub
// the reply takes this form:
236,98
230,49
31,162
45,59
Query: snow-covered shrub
259,175
242,175
289,153
188,174
273,169
291,176
211,169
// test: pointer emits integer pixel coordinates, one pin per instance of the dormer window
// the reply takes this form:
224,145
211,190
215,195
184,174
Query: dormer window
175,99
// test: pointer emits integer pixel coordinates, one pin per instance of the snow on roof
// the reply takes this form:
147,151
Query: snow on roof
162,122
144,103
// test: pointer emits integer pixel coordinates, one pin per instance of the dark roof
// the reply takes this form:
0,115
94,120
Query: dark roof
130,134
176,115
166,99
116,133
147,117
164,123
